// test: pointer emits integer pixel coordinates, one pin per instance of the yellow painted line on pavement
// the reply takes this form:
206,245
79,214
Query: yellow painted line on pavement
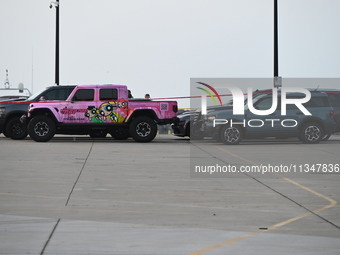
332,201
280,224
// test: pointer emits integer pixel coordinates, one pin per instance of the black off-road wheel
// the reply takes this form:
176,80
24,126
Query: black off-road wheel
231,135
311,133
15,129
143,129
41,128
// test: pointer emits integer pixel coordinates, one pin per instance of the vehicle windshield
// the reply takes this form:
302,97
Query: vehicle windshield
31,98
255,99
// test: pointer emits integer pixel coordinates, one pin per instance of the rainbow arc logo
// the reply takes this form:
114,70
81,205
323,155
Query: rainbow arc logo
213,97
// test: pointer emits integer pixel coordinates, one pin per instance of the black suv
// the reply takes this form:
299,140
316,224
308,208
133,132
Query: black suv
10,112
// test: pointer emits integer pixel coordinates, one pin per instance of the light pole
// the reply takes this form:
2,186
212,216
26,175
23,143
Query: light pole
277,78
56,5
276,64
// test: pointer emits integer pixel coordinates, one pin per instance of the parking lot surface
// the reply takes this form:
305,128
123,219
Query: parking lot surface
77,195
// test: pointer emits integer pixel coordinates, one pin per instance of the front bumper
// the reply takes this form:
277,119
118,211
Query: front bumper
179,129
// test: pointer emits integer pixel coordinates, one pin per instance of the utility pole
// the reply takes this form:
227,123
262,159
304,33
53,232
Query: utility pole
57,6
276,54
277,78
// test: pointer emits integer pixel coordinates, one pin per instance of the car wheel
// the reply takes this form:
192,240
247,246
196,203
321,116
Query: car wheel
326,137
311,133
41,128
231,135
120,134
15,129
143,129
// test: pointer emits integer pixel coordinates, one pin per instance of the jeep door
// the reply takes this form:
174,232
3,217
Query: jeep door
75,110
112,109
107,110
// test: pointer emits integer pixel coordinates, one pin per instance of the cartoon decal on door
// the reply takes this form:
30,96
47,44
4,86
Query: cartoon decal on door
106,110
93,115
115,111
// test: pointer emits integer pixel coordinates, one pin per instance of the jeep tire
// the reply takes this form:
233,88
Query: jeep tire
143,129
15,129
311,132
231,135
41,128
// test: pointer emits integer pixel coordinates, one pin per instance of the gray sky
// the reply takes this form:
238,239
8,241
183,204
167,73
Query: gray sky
155,47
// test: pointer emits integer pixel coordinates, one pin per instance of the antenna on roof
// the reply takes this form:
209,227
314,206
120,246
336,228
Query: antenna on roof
317,88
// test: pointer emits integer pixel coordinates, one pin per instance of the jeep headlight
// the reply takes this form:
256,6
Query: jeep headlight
2,111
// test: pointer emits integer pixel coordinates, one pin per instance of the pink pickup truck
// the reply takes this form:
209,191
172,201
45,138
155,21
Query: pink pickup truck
97,110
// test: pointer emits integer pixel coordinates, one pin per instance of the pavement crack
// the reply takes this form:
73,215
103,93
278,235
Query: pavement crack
49,238
81,171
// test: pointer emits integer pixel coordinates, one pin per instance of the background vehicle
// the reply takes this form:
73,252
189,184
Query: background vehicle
11,111
17,94
334,98
308,128
102,109
182,128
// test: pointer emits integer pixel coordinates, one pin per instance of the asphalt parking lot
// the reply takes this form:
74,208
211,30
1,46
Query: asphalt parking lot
77,195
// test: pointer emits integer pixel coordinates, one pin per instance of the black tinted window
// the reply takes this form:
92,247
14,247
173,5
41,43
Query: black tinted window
56,94
84,95
265,103
317,102
108,94
334,98
52,94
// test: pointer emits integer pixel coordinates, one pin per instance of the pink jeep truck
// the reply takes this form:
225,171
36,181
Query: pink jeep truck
98,110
